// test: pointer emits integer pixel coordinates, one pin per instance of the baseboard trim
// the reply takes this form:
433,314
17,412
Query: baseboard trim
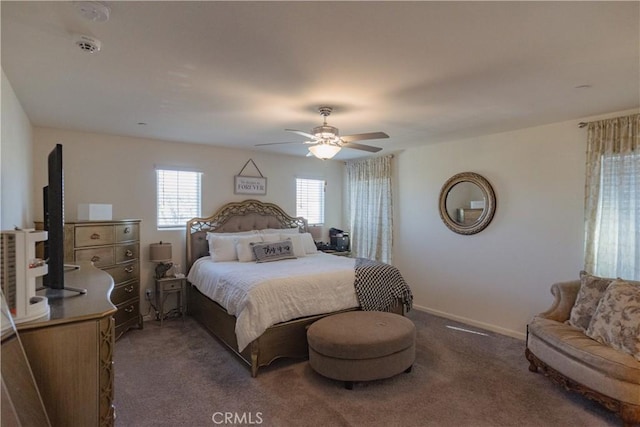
471,322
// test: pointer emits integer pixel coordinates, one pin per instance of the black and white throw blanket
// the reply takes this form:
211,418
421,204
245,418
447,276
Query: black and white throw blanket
379,285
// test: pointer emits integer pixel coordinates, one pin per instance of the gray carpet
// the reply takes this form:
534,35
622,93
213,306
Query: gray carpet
179,375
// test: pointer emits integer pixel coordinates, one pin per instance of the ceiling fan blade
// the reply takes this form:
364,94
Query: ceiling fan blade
363,136
363,147
299,132
289,142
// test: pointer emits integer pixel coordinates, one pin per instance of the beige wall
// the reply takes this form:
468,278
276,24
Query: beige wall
120,171
498,278
15,158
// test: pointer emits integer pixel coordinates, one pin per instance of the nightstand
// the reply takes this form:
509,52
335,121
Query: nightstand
169,285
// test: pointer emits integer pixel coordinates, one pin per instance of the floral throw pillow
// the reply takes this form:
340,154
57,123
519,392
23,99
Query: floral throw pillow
616,321
592,289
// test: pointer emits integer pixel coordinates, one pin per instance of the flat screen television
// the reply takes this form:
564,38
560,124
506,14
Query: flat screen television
53,204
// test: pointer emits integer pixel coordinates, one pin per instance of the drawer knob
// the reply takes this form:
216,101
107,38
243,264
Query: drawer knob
129,253
95,236
127,230
95,258
129,289
129,269
129,309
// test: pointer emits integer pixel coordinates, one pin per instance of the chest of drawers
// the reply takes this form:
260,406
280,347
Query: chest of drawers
113,246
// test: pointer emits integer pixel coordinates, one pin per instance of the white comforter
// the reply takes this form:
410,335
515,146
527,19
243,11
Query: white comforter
261,295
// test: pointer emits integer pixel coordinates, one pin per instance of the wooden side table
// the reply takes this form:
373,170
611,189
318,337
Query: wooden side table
169,285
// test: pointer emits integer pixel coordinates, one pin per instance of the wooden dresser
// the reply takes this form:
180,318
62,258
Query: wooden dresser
113,246
71,352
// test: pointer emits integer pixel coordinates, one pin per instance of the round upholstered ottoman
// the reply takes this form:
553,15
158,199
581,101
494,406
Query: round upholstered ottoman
361,346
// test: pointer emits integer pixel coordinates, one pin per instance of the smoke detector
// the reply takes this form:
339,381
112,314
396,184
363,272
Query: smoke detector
87,43
92,10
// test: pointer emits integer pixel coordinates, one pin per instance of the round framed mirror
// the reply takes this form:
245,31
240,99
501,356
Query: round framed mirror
467,203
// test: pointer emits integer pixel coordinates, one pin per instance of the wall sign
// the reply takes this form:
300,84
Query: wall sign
244,184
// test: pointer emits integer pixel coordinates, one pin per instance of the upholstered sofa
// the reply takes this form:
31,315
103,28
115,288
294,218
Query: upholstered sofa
565,354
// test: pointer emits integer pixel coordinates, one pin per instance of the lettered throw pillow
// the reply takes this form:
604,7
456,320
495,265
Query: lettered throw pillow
616,321
592,289
265,252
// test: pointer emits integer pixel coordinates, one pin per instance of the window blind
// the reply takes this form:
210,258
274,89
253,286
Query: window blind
310,200
178,195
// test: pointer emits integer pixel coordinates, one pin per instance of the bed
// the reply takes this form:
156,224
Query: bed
286,336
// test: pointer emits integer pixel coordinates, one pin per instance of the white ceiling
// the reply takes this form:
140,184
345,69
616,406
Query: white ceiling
238,73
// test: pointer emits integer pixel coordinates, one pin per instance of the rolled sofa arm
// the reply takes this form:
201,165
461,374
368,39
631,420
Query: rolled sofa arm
565,294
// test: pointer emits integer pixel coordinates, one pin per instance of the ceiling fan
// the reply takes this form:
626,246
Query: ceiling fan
325,141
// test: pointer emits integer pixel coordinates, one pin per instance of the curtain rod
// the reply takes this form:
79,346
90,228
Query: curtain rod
390,155
630,116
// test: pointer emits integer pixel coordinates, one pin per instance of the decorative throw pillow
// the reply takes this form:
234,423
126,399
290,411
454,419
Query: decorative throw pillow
592,289
265,252
616,321
244,249
296,242
222,248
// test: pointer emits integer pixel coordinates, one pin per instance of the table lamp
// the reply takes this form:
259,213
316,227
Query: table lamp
316,232
161,253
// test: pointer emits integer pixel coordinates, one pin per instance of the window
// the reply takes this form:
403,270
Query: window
617,229
612,198
369,209
178,197
310,200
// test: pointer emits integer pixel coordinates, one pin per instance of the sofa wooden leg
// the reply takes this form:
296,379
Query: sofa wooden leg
630,415
532,365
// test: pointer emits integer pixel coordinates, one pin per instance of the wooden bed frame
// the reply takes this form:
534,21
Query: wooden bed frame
287,339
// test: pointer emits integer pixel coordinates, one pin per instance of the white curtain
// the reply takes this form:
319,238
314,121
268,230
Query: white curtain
612,198
370,208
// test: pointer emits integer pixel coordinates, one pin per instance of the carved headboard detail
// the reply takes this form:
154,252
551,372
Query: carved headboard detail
233,217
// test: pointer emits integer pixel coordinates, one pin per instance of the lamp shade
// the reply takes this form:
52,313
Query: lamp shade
324,151
160,252
316,232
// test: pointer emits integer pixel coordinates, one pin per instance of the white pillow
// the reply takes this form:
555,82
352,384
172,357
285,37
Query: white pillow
280,231
211,234
222,248
309,244
243,247
296,242
271,238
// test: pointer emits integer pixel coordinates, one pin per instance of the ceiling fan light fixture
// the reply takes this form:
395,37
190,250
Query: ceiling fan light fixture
324,141
324,151
326,132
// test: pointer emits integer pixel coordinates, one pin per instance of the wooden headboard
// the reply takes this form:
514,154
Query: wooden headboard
233,217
